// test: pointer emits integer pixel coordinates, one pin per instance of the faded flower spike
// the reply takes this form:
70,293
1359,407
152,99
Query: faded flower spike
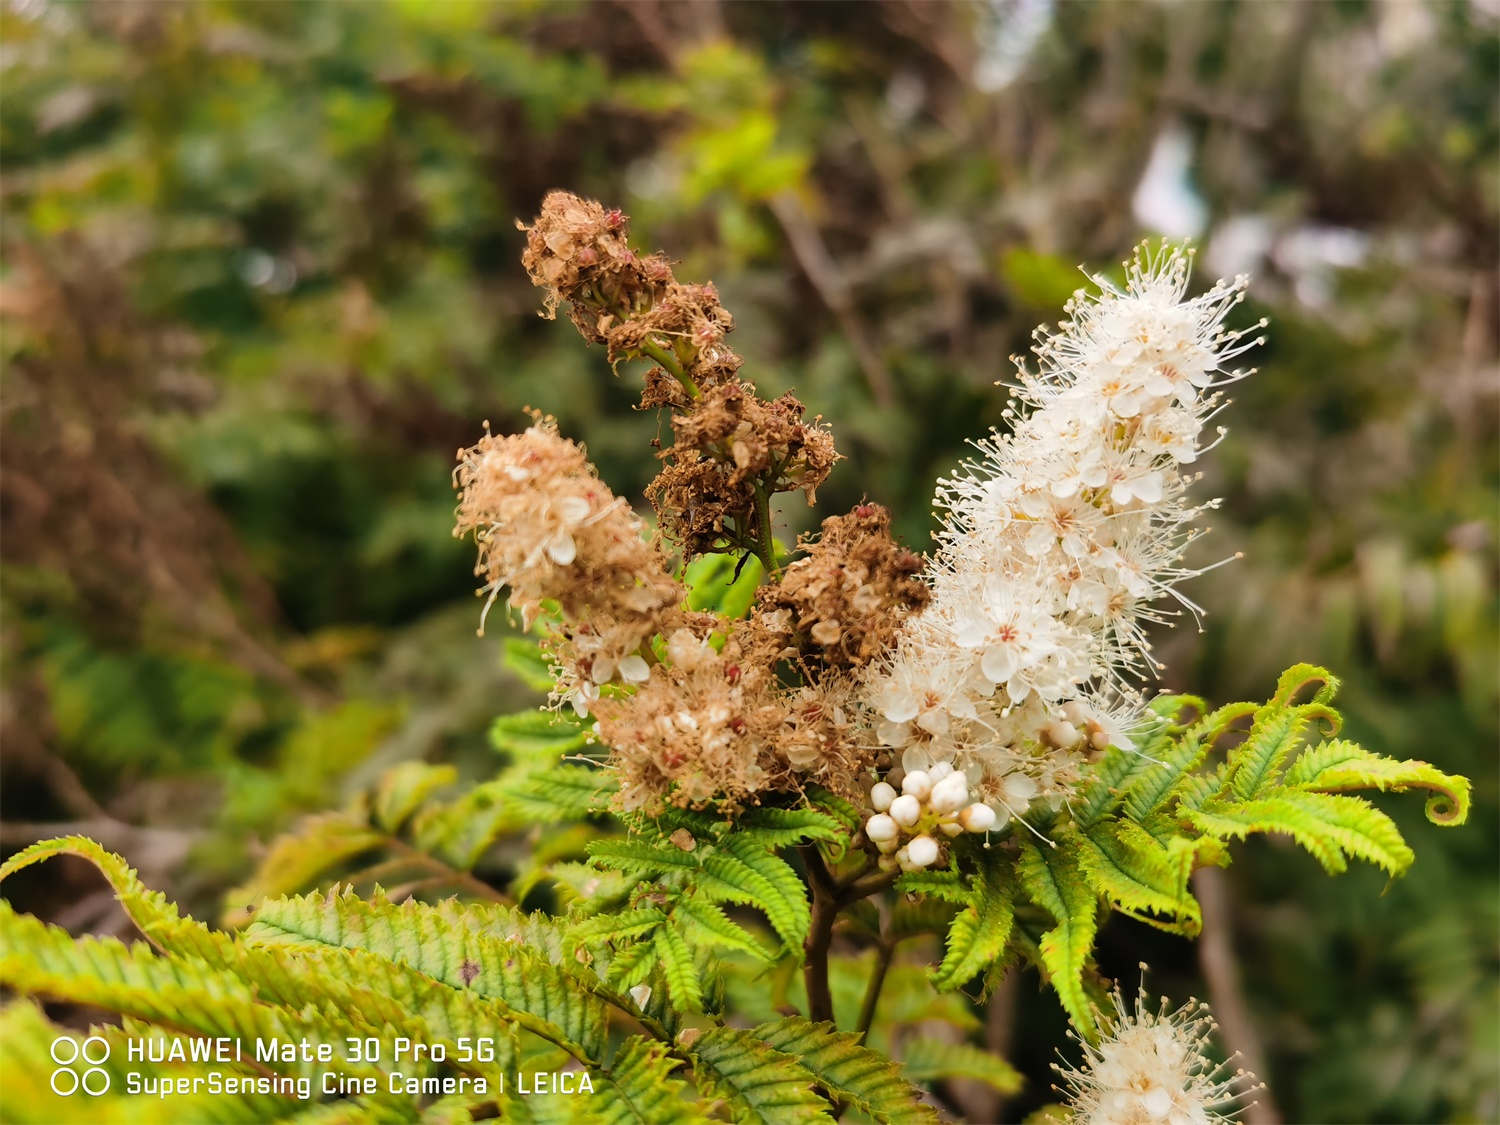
1153,1068
548,529
1062,540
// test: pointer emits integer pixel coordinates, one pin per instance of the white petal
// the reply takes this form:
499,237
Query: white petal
634,670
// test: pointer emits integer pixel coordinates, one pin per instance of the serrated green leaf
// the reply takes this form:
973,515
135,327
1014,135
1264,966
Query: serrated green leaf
640,858
452,949
980,932
1330,827
850,1072
1054,881
947,885
1339,766
926,1060
526,659
738,870
1137,873
402,790
678,968
780,828
707,924
758,1084
569,791
531,734
639,1088
613,927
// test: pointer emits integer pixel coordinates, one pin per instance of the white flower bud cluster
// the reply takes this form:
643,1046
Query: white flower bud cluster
932,804
1059,538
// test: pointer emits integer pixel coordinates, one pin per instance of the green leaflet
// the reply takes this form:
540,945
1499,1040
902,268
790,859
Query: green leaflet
758,1084
678,969
978,935
709,925
401,791
848,1071
541,997
25,1037
926,1060
948,885
724,584
639,1087
780,828
317,846
1337,766
1053,879
43,960
1141,876
563,792
641,858
525,658
1151,791
739,867
1332,828
1113,776
530,734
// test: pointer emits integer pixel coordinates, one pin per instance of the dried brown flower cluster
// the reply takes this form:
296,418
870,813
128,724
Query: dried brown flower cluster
548,528
733,450
709,710
846,598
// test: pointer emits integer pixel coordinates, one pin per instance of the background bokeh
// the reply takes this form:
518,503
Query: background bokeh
261,278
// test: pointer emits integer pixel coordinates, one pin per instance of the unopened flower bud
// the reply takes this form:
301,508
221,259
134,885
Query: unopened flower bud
951,828
918,783
880,827
977,818
903,857
950,794
922,851
881,796
906,810
940,771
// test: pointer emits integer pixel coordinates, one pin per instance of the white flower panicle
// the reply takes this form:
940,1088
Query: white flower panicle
929,806
1152,1068
1062,539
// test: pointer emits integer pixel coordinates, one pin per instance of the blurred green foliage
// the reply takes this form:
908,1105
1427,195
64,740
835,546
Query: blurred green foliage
260,279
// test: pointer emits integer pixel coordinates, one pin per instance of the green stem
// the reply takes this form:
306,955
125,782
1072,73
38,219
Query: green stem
883,954
671,365
765,540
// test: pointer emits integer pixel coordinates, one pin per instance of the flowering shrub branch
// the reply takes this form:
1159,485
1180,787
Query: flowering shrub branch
797,803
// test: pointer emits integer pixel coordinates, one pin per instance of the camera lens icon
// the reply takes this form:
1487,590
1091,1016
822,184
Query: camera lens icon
66,1051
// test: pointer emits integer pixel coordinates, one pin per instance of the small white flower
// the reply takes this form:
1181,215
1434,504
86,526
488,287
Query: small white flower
880,827
881,796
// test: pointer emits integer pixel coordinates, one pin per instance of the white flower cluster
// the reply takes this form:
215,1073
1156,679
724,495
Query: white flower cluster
1061,540
1153,1068
931,804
